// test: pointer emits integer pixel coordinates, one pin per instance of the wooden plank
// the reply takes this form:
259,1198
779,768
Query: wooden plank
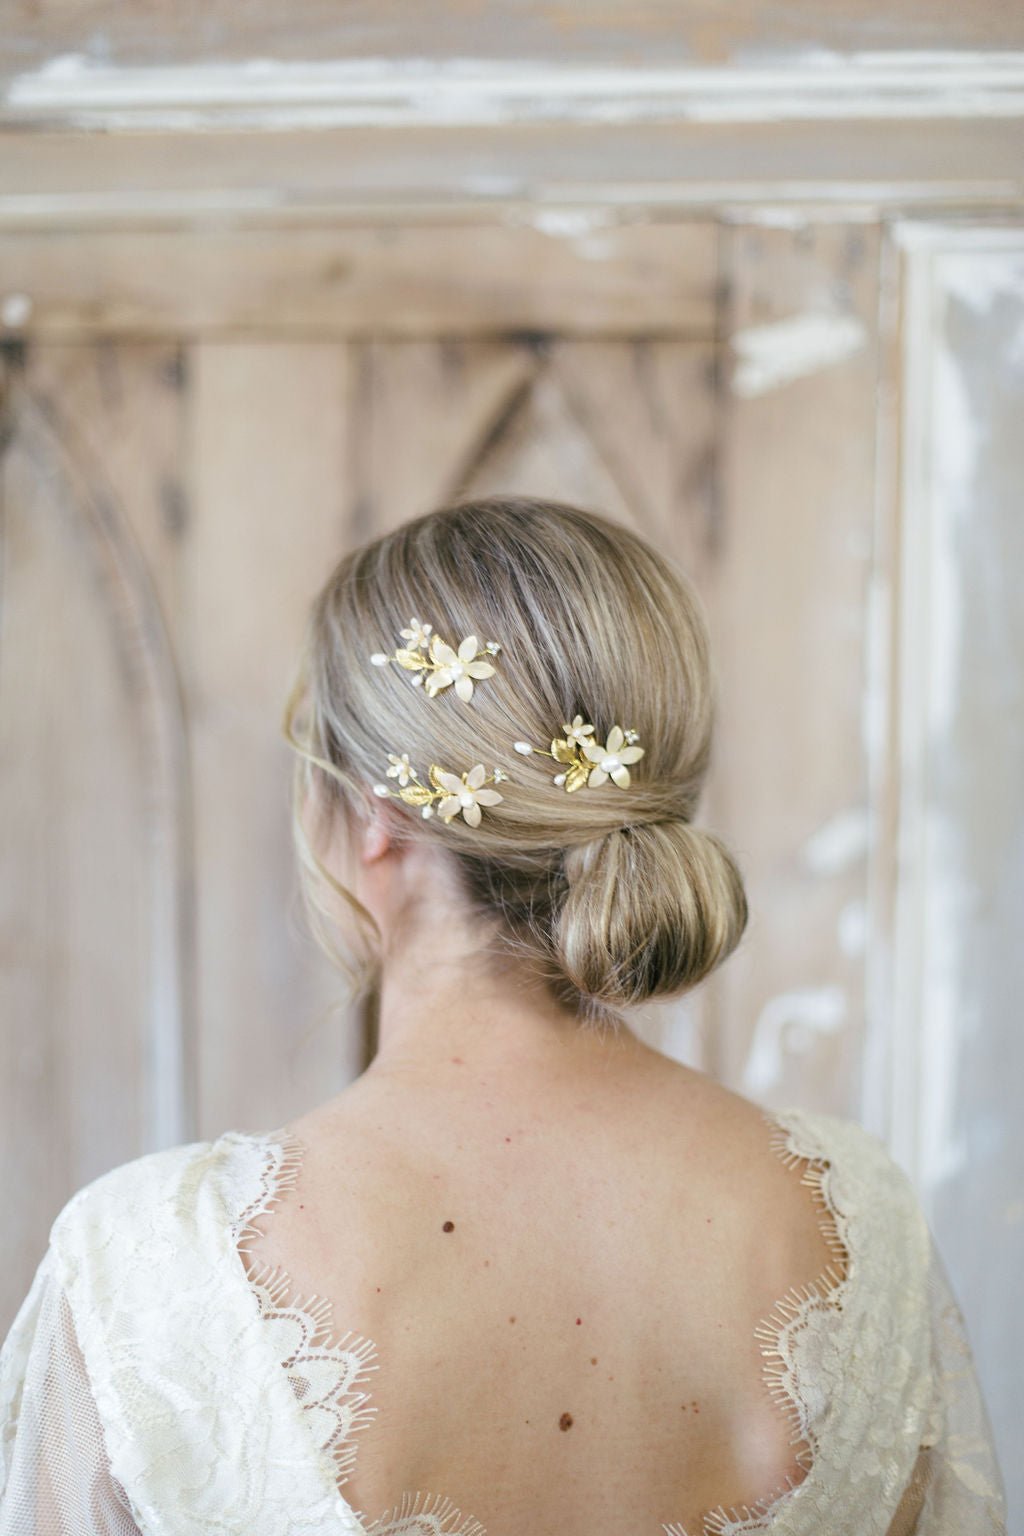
790,601
124,408
317,282
86,813
519,173
680,30
270,501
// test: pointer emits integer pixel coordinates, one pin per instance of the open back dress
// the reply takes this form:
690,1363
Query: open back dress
158,1379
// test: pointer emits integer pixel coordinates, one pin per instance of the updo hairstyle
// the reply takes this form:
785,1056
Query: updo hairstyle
612,895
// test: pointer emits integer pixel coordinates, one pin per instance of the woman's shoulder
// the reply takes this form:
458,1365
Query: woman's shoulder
155,1203
858,1155
867,1203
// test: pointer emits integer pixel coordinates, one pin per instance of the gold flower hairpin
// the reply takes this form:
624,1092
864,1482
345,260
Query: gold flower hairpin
454,793
587,762
441,667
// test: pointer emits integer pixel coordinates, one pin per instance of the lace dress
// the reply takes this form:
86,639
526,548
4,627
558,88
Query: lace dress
158,1380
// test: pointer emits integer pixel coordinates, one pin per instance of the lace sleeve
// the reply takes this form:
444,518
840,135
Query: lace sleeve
55,1477
956,1488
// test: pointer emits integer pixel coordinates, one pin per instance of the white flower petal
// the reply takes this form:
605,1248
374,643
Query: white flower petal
464,688
468,648
476,776
621,776
593,750
449,806
441,678
479,669
616,737
489,797
630,754
451,782
472,814
597,777
443,653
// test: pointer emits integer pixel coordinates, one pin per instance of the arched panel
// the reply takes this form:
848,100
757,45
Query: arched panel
94,814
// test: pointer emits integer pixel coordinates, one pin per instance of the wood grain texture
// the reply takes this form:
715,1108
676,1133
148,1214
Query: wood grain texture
653,31
523,172
317,282
271,496
790,595
89,807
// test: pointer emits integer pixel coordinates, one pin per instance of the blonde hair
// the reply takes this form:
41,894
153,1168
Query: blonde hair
612,895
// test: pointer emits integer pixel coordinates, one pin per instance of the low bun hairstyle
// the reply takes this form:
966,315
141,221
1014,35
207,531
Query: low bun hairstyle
648,912
612,895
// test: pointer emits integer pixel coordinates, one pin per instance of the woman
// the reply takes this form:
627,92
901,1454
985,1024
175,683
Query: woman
526,1276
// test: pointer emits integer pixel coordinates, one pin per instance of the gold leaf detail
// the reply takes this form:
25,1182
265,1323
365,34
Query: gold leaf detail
577,776
412,661
416,794
563,751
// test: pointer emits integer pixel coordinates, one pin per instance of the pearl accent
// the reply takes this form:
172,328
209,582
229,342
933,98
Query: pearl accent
381,789
609,764
466,798
559,778
523,747
379,659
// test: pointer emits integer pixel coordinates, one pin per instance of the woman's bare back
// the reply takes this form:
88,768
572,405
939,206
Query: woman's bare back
562,1287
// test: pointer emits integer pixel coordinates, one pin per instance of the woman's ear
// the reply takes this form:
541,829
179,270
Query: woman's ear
374,837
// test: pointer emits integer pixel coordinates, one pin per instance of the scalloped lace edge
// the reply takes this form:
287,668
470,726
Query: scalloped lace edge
354,1356
781,1331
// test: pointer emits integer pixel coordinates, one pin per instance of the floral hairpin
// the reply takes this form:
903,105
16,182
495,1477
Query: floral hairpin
466,794
587,762
441,667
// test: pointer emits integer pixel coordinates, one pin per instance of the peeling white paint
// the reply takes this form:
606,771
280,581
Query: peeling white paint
778,217
586,229
15,309
978,284
809,85
852,929
782,350
790,1025
839,843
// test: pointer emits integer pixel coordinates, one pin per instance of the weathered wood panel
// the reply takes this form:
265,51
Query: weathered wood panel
87,812
790,596
529,173
680,31
585,276
269,465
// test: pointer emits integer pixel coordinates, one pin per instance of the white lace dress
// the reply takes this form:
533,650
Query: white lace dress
156,1381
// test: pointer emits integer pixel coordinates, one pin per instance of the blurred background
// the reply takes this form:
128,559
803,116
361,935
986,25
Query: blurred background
747,277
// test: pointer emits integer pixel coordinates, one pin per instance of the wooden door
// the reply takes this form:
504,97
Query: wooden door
184,458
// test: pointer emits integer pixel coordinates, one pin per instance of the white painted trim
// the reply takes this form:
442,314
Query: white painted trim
72,91
916,1047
